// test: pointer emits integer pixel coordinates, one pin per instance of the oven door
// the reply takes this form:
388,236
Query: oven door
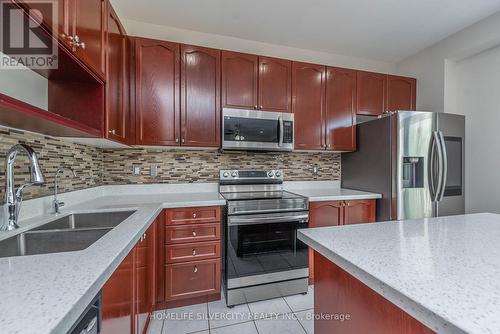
264,248
257,130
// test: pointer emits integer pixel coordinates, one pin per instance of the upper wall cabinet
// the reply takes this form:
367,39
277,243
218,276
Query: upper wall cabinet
309,81
340,109
401,93
371,93
240,74
275,84
117,86
200,96
157,92
252,82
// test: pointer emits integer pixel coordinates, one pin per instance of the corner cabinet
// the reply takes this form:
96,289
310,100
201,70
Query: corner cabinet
117,122
129,294
157,91
335,213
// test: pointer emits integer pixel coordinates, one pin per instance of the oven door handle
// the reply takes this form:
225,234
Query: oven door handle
233,221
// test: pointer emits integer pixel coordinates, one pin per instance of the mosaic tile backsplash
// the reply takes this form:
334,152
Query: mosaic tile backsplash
96,166
203,166
52,153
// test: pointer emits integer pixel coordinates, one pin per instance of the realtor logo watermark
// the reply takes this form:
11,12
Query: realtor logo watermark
23,41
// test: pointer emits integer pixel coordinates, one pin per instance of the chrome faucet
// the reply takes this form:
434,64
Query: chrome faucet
13,196
58,204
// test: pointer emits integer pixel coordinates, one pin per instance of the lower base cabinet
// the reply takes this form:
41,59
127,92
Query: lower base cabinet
338,293
335,213
128,295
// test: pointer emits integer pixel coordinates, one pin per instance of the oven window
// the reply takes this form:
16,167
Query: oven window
265,248
251,130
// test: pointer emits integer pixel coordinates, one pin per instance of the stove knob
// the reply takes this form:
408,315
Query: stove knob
225,174
270,173
234,174
278,174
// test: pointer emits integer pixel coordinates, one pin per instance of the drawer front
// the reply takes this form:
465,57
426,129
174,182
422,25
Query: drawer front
192,233
192,252
192,279
192,215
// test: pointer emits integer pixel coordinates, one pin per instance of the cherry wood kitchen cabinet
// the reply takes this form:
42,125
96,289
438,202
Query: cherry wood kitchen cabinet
371,93
401,93
117,81
157,92
335,213
200,96
128,297
308,105
240,73
338,292
253,82
191,257
275,84
340,109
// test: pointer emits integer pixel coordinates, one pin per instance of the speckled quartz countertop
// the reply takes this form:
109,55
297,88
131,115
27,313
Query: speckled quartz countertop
444,271
334,194
47,293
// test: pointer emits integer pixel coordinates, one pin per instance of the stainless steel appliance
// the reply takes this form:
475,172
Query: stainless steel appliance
257,130
415,159
262,256
90,320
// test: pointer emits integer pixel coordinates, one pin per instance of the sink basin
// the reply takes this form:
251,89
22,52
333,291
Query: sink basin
67,234
87,220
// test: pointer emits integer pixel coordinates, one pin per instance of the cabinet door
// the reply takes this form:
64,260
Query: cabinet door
157,92
401,93
117,299
275,84
144,279
340,109
88,25
359,212
308,105
322,214
371,93
239,80
117,107
200,96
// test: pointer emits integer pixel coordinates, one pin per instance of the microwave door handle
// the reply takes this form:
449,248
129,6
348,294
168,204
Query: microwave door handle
444,170
281,130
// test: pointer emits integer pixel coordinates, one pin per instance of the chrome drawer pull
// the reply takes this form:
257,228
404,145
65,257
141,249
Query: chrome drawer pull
195,269
194,252
194,215
194,234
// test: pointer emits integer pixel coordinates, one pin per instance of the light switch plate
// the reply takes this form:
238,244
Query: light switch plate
136,170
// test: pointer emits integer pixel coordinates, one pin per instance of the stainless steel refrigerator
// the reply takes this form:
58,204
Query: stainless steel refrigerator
415,159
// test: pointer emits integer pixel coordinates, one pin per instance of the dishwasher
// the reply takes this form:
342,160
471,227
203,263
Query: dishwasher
90,320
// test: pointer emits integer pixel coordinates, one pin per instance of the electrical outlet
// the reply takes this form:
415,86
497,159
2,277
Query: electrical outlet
154,170
136,170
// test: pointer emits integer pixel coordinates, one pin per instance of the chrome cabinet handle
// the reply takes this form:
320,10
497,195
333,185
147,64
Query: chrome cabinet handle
113,132
183,140
195,269
176,140
194,215
194,251
194,234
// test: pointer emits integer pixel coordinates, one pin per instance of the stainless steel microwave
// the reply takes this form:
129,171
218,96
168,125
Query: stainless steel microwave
256,130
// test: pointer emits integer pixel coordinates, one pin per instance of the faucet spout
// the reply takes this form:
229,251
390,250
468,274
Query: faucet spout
13,196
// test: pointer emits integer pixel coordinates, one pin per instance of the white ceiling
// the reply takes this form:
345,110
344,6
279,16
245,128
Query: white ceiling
385,30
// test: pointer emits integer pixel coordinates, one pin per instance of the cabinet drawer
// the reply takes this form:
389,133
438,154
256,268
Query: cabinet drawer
192,233
192,279
192,252
193,215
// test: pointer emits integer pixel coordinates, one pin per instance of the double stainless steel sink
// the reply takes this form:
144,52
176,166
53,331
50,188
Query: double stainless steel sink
66,234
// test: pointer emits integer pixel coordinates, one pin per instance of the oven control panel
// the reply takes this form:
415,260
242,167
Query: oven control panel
275,174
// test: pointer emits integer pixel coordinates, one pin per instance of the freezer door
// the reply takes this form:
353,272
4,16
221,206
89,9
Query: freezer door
452,196
414,138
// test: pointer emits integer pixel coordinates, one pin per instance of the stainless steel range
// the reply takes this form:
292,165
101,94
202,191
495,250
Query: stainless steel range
262,256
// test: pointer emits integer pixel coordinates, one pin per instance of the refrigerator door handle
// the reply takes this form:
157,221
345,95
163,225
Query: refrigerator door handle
443,167
432,172
439,149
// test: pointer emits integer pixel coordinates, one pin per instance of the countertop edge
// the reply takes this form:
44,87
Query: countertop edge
413,308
